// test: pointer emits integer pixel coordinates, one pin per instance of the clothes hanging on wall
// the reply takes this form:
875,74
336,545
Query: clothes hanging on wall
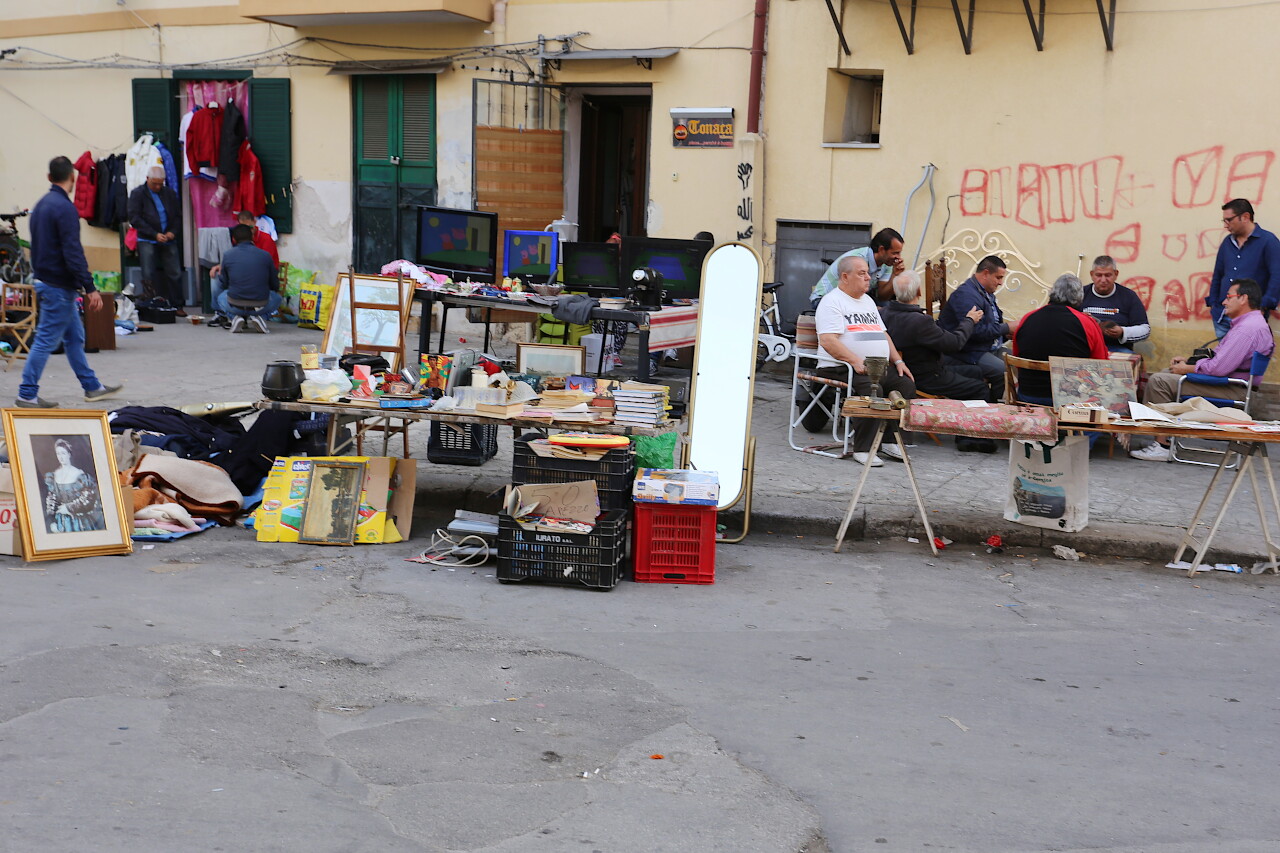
139,159
170,170
233,134
249,194
204,138
111,195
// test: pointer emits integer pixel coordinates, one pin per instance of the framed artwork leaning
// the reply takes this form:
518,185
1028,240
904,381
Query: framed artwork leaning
551,359
380,327
70,503
1110,383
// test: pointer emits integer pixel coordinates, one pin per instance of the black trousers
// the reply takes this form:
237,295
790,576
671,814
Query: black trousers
168,283
958,382
864,428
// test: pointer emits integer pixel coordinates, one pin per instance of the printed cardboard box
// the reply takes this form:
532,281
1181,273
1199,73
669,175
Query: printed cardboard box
10,535
675,486
386,501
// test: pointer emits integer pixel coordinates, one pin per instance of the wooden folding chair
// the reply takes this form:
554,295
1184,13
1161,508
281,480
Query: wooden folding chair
395,355
18,311
1012,364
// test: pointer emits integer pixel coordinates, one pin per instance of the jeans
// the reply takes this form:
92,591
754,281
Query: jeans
169,284
273,302
57,323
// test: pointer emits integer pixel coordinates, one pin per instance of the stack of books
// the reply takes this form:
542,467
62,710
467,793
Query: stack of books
640,404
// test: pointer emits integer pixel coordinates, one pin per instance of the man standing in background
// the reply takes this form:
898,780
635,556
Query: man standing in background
156,214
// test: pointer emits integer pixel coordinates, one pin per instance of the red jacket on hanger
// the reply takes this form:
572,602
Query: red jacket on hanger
86,186
249,193
204,135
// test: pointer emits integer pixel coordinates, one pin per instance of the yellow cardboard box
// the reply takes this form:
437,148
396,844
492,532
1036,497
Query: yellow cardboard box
386,501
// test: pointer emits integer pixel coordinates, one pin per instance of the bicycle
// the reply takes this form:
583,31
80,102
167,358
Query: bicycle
15,266
772,344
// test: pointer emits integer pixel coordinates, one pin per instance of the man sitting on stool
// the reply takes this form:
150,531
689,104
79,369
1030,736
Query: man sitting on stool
1249,333
850,330
247,284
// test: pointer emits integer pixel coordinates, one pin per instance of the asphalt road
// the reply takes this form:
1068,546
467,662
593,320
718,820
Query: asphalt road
214,694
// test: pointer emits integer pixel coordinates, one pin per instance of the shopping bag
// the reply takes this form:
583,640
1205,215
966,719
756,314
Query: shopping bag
1049,483
314,302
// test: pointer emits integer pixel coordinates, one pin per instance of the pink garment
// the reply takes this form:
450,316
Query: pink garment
202,191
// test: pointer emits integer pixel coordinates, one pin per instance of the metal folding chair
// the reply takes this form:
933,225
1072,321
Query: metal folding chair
1257,367
813,394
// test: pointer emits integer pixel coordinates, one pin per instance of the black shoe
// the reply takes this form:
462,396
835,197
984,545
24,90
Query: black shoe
218,322
965,444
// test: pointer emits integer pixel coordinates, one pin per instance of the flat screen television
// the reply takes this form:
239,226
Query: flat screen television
592,267
679,261
530,255
458,243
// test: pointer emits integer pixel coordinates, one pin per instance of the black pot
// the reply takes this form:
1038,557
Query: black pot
282,381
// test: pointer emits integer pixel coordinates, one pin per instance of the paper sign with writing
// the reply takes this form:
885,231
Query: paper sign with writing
576,501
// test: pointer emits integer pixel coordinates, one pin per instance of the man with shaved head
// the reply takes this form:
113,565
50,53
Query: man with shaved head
156,214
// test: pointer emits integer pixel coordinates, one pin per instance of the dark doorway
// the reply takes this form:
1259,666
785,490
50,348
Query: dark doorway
615,166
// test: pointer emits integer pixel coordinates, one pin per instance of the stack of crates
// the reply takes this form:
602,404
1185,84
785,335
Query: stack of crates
594,559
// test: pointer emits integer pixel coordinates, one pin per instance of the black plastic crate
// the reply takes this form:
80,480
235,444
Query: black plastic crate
592,559
476,444
613,473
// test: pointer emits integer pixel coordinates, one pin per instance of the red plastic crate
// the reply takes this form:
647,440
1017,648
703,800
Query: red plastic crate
674,543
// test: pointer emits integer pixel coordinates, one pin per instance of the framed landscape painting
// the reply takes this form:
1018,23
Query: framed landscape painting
70,503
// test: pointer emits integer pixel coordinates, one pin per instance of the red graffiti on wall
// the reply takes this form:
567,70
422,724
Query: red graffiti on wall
1144,286
1031,196
1186,302
1125,244
1198,286
1195,177
1247,177
1210,240
1099,187
1176,309
1175,246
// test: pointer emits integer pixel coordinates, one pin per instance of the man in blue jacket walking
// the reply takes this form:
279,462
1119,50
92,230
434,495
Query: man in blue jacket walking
982,348
61,273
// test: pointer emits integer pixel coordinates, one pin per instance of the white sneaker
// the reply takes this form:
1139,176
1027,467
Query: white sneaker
237,325
893,451
1151,453
258,323
868,459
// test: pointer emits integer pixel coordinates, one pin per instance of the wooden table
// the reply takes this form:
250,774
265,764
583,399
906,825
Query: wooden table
881,416
355,414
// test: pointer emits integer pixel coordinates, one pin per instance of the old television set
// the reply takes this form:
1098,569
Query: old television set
531,256
593,268
679,261
462,244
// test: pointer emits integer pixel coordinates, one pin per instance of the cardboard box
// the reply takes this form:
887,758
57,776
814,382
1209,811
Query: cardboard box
673,486
10,535
386,501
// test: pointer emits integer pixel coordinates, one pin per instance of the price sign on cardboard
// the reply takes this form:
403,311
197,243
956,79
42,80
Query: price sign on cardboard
575,501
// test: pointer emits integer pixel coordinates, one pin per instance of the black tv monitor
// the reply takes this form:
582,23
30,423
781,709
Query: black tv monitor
679,261
458,243
531,256
593,268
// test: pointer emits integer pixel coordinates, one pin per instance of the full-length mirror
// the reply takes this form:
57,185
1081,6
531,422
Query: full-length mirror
725,366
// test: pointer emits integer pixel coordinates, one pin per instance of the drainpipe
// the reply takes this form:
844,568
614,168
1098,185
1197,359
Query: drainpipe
499,26
756,85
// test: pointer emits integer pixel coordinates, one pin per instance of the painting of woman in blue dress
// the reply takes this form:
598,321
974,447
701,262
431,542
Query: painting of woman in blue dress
72,502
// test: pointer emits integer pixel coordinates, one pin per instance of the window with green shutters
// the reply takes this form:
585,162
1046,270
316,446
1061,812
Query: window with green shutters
155,110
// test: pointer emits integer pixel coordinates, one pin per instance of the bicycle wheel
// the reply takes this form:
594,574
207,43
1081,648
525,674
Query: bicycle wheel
14,267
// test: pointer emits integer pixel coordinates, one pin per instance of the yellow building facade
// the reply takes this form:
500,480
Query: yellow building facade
1123,135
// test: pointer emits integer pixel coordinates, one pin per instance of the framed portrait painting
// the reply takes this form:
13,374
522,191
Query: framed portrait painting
70,503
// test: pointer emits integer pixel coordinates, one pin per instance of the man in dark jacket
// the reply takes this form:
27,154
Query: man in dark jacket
989,333
61,273
247,285
923,343
156,214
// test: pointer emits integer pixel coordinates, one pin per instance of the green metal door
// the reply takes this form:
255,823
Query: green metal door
395,164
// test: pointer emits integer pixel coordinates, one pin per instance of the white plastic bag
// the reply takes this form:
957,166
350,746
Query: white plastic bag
1049,483
325,385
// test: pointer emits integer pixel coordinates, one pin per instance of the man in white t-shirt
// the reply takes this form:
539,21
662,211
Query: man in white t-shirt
850,330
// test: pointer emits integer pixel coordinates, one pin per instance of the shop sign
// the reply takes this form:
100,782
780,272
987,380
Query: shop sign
709,128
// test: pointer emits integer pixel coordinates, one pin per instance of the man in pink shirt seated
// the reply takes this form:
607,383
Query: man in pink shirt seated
1249,333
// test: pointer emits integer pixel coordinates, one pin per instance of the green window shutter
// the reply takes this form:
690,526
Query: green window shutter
375,119
419,118
271,134
155,110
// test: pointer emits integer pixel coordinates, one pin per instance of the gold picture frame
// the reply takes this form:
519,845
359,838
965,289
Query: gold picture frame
332,510
70,503
551,359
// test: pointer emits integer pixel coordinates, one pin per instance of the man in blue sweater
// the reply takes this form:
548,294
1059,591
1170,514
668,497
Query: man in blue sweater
247,285
1249,251
982,348
61,273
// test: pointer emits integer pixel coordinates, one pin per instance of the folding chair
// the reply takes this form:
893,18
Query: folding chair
1012,364
17,318
1257,367
813,394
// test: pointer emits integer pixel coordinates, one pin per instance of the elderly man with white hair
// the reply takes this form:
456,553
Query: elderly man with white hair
923,343
1058,328
156,214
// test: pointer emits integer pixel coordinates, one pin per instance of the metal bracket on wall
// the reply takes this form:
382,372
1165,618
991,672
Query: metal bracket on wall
966,36
1108,24
835,20
908,34
1037,31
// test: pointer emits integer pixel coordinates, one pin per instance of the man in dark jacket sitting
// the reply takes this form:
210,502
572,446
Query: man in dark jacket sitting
247,285
156,214
922,343
989,333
